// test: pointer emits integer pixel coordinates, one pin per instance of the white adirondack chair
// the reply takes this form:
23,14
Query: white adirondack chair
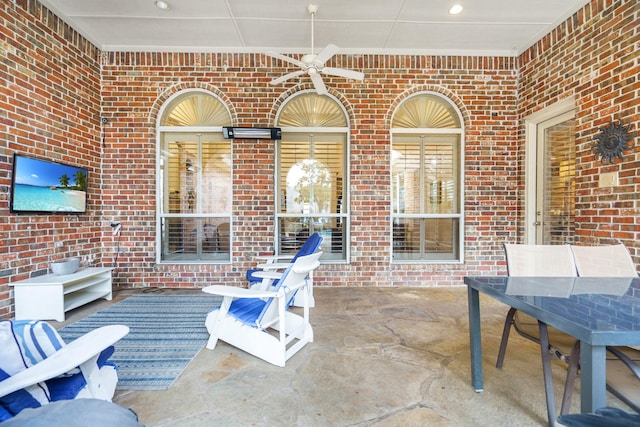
37,367
259,321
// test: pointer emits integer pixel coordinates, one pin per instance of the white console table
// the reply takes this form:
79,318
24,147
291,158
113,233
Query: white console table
49,296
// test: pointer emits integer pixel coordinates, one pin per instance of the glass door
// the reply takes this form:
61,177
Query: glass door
555,181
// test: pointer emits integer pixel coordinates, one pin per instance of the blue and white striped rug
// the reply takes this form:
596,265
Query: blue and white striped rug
166,332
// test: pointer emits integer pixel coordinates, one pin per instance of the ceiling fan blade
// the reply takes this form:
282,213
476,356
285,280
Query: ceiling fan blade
341,72
321,89
287,59
286,77
327,53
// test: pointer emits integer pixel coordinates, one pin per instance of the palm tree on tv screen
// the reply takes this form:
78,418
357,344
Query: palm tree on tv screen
81,180
64,180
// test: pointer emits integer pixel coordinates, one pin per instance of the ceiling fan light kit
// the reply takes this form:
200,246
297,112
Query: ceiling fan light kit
314,65
162,5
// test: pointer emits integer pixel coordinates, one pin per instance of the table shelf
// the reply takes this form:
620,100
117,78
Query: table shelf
95,282
48,297
78,299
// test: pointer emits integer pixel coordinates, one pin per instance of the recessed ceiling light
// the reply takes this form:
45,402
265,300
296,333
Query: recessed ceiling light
162,5
456,9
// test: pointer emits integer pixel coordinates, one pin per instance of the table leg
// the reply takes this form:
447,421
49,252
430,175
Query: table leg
593,379
546,373
475,338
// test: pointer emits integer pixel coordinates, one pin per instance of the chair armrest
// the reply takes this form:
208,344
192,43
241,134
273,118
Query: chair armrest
67,358
274,266
300,285
236,292
274,275
273,258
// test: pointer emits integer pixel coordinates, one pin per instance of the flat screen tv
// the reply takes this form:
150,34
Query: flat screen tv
43,186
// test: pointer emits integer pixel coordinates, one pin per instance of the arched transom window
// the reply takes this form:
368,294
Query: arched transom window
194,180
426,174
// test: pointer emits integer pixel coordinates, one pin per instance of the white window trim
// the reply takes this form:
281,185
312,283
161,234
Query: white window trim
159,185
346,188
531,123
461,216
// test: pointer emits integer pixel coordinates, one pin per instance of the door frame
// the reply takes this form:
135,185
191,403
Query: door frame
531,123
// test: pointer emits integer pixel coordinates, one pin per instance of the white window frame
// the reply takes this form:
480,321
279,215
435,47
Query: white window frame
160,185
565,107
461,187
346,183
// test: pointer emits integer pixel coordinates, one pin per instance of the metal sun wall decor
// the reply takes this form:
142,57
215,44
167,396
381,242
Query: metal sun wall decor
612,141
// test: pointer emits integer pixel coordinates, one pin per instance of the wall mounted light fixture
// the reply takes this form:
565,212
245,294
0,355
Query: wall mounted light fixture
230,132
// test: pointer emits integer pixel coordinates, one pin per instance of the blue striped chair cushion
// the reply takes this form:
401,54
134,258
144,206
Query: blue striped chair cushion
251,310
4,414
38,339
251,278
24,343
247,310
12,361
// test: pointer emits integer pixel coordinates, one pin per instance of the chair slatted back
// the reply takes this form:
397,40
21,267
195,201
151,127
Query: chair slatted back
309,246
604,261
539,260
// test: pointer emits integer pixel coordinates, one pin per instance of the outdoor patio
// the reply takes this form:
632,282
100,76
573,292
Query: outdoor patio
381,356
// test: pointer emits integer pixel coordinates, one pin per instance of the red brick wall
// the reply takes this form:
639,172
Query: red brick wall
47,112
49,108
593,56
135,85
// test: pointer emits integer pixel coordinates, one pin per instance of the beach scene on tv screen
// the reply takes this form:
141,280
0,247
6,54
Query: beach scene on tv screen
48,187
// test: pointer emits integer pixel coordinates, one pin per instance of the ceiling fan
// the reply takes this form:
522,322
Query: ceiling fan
313,64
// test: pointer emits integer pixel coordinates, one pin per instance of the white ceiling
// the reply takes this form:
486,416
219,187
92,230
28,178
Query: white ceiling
485,27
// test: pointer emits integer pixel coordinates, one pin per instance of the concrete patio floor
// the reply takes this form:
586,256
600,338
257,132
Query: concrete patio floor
381,357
